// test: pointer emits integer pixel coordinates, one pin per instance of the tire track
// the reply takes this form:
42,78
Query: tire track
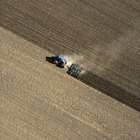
97,53
58,50
33,28
111,89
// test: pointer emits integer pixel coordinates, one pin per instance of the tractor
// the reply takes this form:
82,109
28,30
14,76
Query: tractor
59,60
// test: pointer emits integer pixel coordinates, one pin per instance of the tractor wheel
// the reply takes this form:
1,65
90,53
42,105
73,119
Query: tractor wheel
61,65
55,62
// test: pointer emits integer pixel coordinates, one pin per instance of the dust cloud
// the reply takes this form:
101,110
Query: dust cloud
76,59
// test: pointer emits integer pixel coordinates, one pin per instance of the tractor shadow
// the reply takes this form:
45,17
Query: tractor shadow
49,59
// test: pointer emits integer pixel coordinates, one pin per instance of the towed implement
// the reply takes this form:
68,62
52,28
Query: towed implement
74,70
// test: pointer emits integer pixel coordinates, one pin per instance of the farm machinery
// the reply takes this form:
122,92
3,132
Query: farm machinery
59,60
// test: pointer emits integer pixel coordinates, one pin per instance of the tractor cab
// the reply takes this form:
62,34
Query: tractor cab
59,60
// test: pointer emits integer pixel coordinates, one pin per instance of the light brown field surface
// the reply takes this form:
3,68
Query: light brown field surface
106,34
39,100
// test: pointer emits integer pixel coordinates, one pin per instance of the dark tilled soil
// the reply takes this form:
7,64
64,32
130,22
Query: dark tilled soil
106,34
40,101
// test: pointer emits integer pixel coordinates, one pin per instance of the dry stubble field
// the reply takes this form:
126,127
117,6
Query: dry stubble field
40,101
105,34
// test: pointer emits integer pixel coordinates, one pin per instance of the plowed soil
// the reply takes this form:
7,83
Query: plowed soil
39,100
